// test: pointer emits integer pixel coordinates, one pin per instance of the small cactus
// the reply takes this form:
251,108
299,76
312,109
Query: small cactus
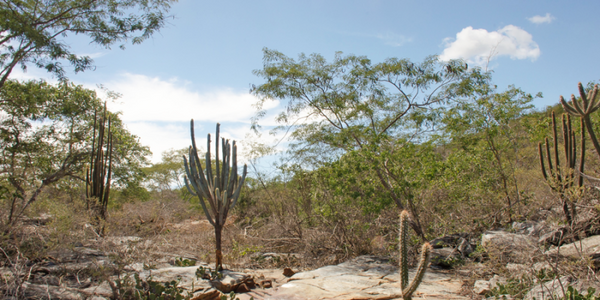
409,289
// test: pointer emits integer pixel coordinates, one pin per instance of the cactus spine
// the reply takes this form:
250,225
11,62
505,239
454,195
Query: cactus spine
221,191
409,289
561,179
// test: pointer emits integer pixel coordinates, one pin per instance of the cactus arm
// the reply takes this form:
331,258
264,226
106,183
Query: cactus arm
566,140
423,262
198,181
583,95
240,184
187,185
403,250
582,159
541,155
234,175
568,108
217,182
578,108
224,207
208,163
593,98
555,141
199,193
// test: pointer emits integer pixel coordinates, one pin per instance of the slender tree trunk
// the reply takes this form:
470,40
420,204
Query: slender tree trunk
218,253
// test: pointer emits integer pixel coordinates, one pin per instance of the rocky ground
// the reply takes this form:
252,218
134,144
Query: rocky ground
83,272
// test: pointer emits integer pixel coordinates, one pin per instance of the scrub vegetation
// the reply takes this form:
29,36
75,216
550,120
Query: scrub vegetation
437,140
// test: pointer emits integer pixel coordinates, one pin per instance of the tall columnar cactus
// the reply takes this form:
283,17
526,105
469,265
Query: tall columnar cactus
409,289
589,104
561,179
220,190
98,175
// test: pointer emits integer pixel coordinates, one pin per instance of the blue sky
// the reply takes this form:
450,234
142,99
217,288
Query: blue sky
200,65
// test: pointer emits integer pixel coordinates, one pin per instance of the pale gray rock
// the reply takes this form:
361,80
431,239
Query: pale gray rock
550,290
40,291
185,275
587,247
496,281
506,241
365,277
103,290
481,287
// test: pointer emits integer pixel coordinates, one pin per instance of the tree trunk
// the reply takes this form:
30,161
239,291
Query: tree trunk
218,253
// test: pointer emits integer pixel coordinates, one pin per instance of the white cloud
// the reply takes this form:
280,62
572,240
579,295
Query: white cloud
393,39
478,45
154,99
548,18
159,111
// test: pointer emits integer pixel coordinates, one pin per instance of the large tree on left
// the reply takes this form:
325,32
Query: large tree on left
46,135
31,30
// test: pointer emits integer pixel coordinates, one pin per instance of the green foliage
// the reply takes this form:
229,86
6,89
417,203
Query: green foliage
375,110
32,30
184,262
573,294
46,136
149,289
208,273
486,128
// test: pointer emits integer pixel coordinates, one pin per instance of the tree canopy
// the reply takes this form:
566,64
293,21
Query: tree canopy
353,105
46,135
31,30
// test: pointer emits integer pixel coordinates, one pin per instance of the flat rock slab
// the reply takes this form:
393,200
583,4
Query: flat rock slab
587,247
365,277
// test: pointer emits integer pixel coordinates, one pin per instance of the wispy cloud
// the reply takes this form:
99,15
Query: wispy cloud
480,46
548,18
393,39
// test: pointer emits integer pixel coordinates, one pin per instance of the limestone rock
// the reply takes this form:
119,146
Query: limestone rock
481,287
587,247
506,241
230,281
365,277
39,291
549,290
445,257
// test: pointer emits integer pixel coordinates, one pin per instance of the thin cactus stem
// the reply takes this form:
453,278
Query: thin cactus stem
99,173
561,179
409,288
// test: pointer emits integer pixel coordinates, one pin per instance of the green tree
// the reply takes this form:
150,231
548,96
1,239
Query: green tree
45,136
351,104
30,30
488,125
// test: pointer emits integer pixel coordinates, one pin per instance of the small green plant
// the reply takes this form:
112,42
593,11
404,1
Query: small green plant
573,294
208,273
516,287
149,289
184,262
232,296
408,290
